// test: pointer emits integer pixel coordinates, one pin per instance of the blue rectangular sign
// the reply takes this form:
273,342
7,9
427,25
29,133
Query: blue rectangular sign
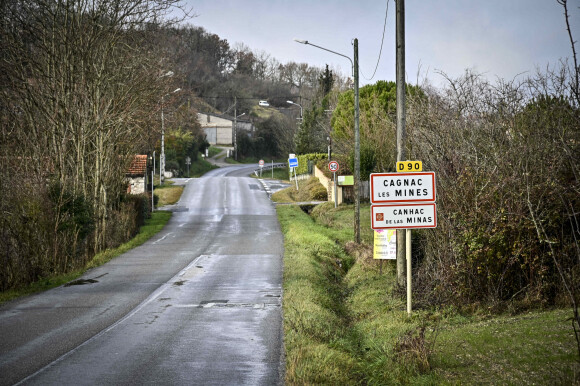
293,162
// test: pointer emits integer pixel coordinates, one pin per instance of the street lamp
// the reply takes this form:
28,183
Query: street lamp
292,103
354,65
162,156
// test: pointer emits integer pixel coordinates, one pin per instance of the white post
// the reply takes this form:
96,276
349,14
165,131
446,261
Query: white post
335,191
162,156
295,178
152,179
409,275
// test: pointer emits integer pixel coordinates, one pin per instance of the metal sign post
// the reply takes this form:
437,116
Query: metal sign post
334,167
293,163
261,163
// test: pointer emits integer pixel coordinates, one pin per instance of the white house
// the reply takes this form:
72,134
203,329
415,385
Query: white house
219,128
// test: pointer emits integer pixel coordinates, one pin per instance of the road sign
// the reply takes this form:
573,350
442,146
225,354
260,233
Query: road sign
404,216
385,244
333,166
293,162
261,163
409,166
346,180
402,187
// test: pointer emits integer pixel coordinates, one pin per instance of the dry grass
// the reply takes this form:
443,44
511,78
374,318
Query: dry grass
168,195
308,190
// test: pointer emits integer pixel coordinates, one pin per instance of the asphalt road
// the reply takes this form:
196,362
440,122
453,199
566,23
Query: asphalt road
198,304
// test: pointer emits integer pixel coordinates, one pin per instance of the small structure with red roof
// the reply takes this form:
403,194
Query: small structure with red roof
137,175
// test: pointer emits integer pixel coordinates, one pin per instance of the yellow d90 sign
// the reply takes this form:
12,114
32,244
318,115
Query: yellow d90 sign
409,166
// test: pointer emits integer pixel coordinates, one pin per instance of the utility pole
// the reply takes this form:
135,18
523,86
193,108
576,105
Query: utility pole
401,133
356,133
162,156
356,149
235,141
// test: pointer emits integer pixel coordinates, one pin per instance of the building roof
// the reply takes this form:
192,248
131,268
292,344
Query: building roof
138,165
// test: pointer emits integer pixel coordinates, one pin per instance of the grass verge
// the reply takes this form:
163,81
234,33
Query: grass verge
168,194
200,167
345,323
308,190
279,174
152,226
213,151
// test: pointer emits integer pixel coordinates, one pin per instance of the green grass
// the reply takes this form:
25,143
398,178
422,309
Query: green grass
314,321
200,167
152,226
213,151
279,174
234,162
532,348
346,323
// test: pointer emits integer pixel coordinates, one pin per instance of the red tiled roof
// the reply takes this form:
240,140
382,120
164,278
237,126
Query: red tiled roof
138,165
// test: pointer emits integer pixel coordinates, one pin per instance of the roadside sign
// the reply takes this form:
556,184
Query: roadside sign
293,162
346,180
402,187
404,216
409,166
385,244
333,166
261,163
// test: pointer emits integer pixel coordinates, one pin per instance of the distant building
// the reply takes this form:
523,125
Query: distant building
219,128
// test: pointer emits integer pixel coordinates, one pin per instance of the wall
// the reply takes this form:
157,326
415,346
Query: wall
329,185
218,130
136,185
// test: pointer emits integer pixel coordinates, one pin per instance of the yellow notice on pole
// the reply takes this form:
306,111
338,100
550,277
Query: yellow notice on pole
385,244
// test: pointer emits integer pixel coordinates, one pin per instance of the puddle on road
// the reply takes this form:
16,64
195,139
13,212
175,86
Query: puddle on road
81,282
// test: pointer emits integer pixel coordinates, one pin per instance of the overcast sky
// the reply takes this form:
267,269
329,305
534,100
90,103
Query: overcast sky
500,38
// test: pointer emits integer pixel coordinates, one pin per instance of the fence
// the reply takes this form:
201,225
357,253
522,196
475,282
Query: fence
364,192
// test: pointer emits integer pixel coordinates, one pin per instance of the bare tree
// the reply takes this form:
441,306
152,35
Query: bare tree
80,84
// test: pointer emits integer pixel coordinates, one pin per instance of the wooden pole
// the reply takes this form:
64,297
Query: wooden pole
401,135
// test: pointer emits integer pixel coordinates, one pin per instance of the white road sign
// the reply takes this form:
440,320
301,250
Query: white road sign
402,187
333,166
404,216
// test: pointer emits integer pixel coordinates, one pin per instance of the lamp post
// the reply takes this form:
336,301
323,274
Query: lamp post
292,103
356,132
162,156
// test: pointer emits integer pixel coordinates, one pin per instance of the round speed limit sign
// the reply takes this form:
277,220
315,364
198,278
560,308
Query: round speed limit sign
333,166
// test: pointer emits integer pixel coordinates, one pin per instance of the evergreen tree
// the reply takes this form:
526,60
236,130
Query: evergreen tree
311,136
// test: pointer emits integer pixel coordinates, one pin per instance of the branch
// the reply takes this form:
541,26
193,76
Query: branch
575,85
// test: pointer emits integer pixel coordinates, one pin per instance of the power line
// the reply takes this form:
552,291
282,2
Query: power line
381,50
